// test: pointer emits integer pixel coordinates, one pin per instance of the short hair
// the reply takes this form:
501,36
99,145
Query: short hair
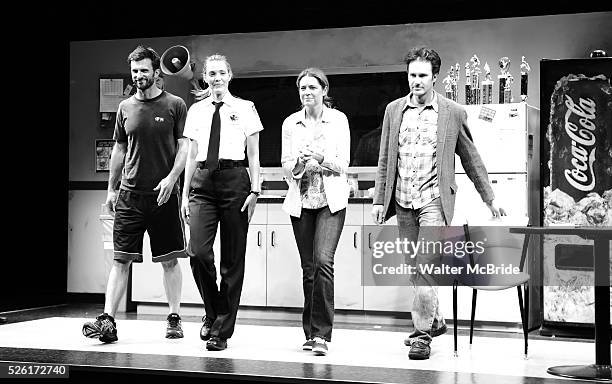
216,57
321,78
141,52
425,54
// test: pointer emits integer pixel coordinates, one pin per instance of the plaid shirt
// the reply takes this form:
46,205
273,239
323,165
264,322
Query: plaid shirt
417,181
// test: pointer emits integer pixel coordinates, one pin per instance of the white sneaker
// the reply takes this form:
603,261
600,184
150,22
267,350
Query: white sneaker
319,347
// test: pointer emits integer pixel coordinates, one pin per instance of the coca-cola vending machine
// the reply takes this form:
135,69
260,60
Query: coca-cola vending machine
576,184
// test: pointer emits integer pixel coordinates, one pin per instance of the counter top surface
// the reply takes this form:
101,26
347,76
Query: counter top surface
275,199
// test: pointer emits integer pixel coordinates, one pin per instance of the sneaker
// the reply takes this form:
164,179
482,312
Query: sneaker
174,330
205,330
434,333
307,346
419,350
104,329
215,343
319,346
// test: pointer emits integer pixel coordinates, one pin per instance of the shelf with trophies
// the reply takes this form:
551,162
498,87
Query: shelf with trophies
479,90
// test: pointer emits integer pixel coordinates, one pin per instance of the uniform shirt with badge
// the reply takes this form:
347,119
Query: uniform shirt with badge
239,119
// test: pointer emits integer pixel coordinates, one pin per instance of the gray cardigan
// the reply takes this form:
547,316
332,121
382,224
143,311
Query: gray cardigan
453,137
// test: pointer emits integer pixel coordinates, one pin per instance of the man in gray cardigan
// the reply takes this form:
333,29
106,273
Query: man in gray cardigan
421,133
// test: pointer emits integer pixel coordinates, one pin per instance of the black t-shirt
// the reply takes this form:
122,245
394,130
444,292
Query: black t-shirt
151,129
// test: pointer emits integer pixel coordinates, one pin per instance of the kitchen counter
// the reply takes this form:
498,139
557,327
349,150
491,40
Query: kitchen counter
265,198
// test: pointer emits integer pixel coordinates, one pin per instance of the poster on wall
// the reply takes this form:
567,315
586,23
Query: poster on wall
104,148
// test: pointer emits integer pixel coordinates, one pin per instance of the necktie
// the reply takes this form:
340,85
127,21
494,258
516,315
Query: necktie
212,157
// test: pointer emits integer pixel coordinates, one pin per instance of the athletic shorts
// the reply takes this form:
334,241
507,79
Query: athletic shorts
136,213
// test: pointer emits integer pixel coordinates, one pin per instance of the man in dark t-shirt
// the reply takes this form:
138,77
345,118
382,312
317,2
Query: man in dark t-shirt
149,156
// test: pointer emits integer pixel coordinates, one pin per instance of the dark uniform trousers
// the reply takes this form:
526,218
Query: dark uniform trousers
217,196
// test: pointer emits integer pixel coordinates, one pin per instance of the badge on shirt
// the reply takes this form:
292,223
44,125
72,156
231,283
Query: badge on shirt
234,117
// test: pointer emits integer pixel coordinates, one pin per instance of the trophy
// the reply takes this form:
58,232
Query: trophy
450,84
447,81
508,89
448,88
504,65
524,78
487,86
456,81
468,86
454,72
475,80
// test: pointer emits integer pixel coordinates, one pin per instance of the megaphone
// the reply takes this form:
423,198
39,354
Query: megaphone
176,61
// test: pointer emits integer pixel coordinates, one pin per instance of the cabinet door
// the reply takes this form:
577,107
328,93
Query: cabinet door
284,272
383,298
254,285
348,291
147,277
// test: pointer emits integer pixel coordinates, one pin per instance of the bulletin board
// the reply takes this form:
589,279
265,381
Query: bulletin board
113,89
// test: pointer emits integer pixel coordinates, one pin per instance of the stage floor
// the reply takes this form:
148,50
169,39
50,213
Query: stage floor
273,351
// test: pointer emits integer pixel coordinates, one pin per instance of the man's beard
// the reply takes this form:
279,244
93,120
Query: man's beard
149,82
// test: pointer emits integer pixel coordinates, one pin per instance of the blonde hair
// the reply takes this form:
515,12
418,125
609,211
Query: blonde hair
216,57
200,94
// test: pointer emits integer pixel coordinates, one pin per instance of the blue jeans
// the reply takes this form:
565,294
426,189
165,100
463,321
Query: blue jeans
425,308
317,232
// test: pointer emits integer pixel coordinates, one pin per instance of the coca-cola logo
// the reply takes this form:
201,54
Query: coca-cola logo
581,132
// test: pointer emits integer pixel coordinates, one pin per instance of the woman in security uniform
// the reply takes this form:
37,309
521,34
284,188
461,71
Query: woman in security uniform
218,189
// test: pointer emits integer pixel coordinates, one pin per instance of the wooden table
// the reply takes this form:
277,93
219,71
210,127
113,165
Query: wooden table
601,237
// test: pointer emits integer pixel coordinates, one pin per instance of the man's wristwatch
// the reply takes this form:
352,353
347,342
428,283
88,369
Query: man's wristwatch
256,193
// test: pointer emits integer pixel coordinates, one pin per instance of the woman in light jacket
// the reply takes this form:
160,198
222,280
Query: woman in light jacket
315,158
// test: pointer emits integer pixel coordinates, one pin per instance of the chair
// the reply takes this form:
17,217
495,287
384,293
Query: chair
501,247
